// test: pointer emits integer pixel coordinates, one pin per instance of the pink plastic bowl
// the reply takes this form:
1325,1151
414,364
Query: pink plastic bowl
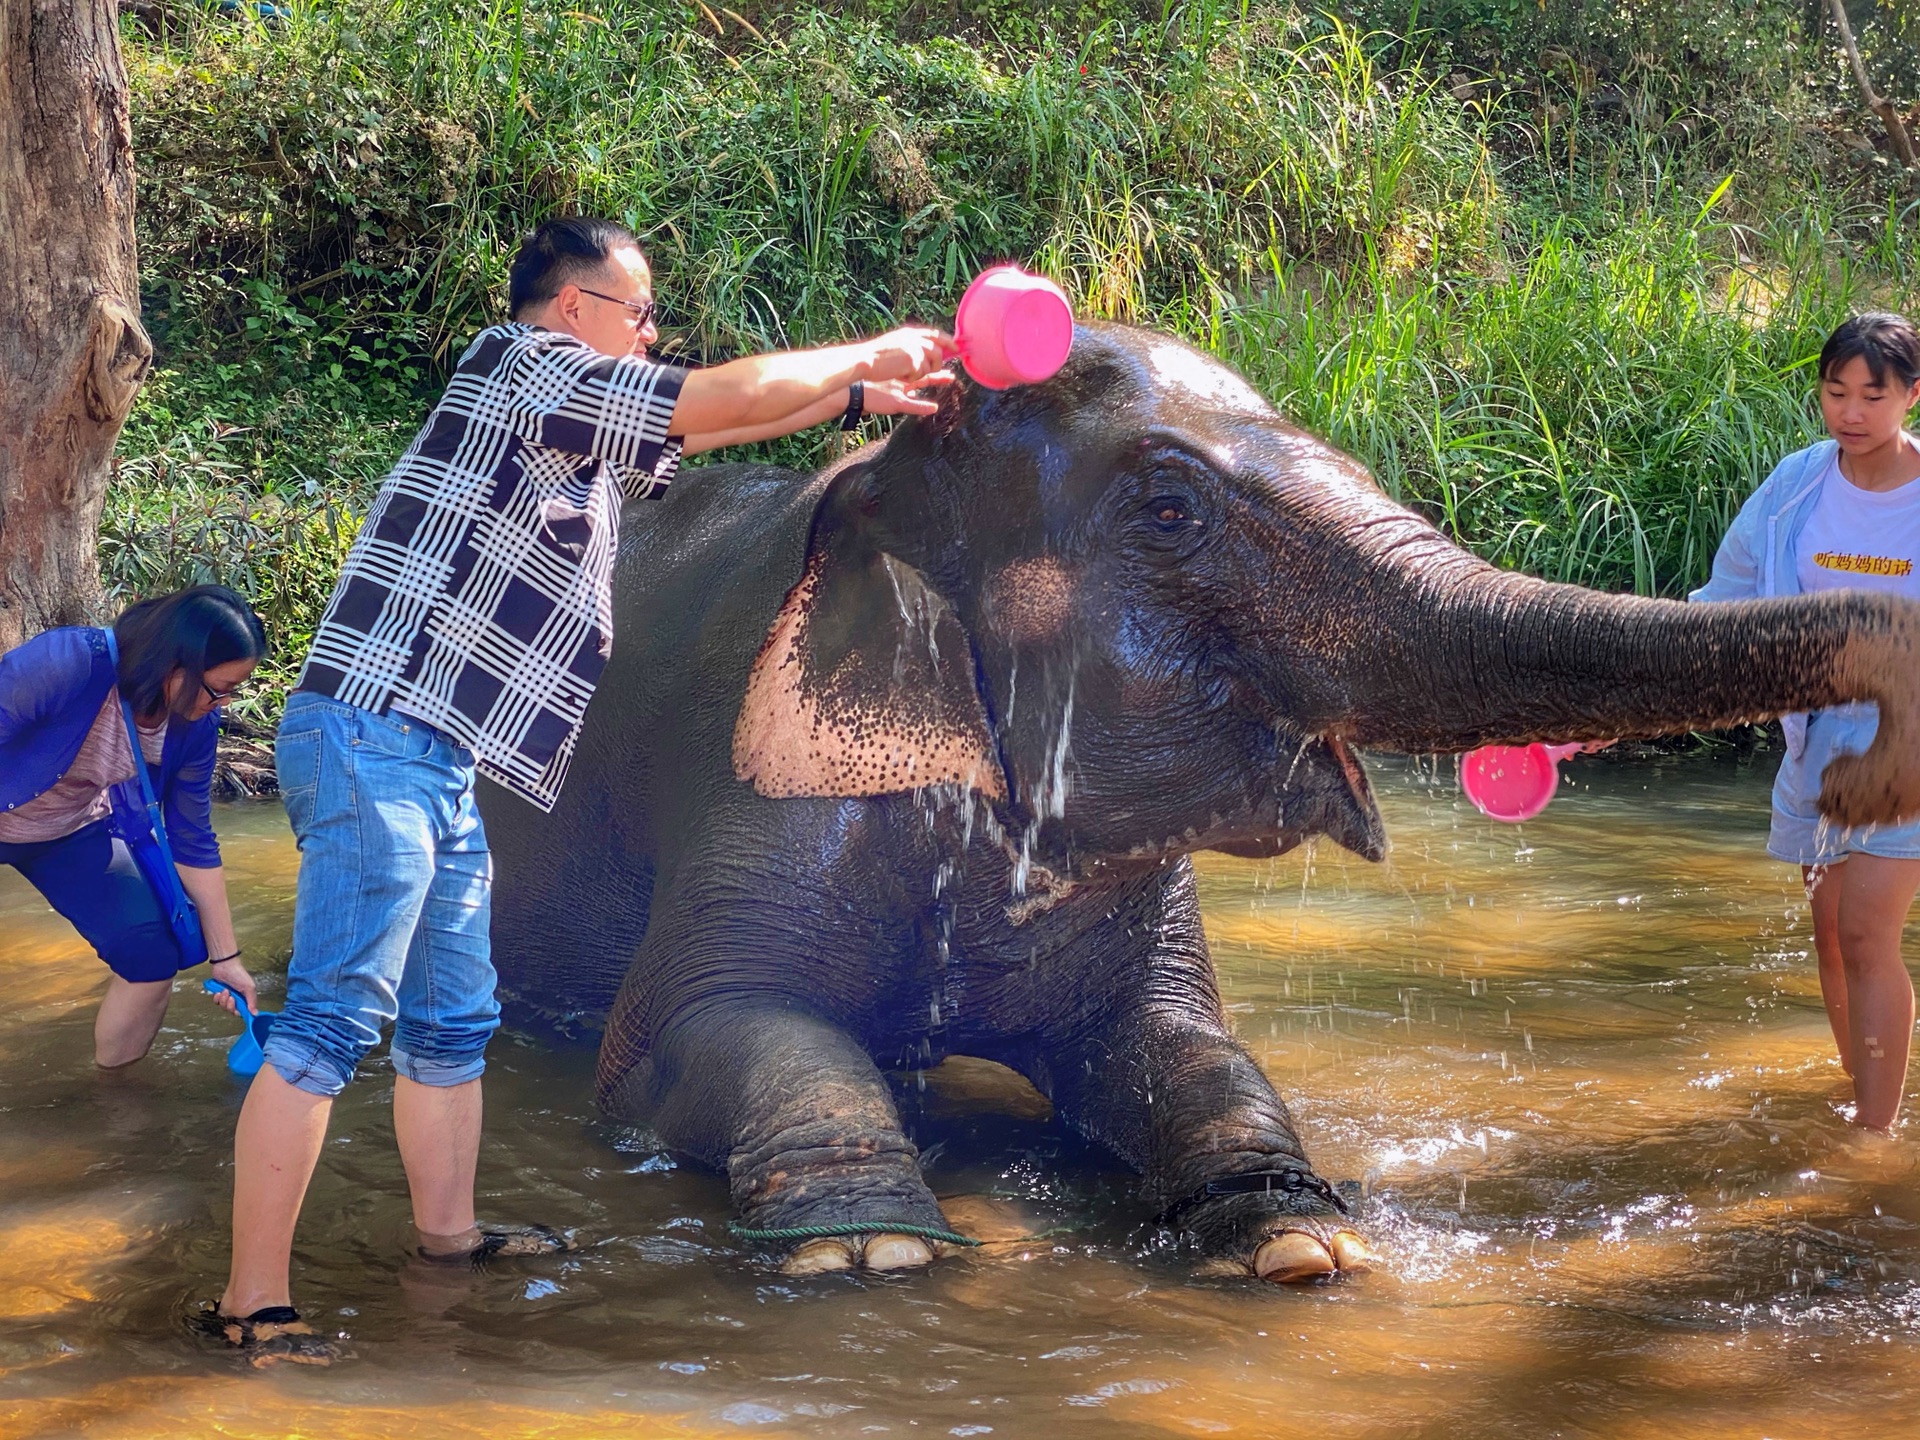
1513,782
1013,328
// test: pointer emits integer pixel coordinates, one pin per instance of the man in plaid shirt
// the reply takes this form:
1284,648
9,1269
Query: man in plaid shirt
469,626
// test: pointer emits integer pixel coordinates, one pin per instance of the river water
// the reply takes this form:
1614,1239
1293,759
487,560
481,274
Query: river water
1580,1066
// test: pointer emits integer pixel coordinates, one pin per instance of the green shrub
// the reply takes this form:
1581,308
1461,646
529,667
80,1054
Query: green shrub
357,178
1597,413
1554,328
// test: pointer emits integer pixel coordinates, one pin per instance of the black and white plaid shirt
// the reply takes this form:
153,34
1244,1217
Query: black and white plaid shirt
479,594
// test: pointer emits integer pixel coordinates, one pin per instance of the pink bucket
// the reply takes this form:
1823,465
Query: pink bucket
1513,782
1013,328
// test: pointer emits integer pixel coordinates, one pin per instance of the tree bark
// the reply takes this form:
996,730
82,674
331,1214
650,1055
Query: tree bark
1888,112
72,351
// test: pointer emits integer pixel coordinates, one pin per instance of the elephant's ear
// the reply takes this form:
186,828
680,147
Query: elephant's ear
866,685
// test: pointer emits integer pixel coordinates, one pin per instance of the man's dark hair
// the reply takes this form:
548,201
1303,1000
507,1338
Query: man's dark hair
1890,344
191,630
563,251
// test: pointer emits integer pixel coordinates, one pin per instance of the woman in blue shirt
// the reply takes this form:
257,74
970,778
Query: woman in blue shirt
1845,514
107,749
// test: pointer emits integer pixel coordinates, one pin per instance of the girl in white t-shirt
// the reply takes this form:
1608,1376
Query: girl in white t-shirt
1845,514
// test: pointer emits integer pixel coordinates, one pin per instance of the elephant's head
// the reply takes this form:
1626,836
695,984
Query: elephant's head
1142,615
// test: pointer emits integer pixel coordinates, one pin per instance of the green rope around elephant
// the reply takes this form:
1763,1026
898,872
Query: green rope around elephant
863,1227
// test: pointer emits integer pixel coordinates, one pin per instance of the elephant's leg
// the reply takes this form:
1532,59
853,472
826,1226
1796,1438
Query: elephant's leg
803,1124
1176,1097
1152,1073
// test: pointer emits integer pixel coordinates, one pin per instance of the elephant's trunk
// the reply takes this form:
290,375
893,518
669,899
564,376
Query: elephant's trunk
1499,657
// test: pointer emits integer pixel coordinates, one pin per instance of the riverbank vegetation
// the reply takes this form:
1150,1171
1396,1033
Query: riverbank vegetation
1556,277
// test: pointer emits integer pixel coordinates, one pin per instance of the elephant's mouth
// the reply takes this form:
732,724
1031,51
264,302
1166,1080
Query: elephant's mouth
1316,786
1322,789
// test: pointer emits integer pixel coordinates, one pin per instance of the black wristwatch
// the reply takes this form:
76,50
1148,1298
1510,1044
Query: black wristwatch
856,406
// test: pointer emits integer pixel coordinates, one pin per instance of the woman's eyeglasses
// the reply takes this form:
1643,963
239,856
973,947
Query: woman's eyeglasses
220,697
642,311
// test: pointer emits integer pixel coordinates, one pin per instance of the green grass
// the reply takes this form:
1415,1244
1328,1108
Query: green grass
1594,414
1576,348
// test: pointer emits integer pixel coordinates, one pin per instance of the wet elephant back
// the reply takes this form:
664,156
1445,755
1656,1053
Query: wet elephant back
700,574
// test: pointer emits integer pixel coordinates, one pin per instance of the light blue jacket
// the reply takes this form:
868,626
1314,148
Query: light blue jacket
1760,557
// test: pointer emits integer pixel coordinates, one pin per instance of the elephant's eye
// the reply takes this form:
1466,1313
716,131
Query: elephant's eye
1168,511
1170,517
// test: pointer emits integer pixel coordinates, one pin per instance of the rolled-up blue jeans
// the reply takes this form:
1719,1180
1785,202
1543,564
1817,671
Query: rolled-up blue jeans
390,923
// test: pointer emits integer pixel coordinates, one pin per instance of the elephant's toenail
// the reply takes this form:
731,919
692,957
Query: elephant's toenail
1350,1252
1291,1258
897,1252
817,1257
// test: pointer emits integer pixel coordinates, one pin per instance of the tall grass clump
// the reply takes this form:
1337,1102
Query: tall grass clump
354,180
328,206
1576,354
1595,413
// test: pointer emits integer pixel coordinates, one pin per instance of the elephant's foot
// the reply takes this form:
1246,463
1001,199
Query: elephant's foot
835,1189
883,1251
1294,1257
1287,1225
1299,1257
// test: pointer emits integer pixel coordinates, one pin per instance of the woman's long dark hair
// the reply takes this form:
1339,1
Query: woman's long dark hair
191,630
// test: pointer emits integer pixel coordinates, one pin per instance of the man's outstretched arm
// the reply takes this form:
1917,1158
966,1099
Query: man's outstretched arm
768,390
894,397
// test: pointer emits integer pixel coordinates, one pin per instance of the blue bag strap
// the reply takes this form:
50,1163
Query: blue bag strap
178,898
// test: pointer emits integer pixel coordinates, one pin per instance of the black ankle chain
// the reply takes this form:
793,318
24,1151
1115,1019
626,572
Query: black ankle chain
1253,1182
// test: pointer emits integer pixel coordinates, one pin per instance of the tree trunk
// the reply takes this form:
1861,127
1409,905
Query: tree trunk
1888,112
72,352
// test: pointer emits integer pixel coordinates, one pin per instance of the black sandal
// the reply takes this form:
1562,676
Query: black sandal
268,1336
513,1242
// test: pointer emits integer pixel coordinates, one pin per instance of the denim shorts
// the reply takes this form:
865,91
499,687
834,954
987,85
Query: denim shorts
391,919
91,878
1799,834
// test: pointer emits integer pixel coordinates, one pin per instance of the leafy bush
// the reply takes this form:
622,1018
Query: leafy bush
1540,315
1596,414
358,177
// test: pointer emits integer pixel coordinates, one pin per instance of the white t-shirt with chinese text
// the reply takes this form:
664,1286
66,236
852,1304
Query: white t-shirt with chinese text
1861,539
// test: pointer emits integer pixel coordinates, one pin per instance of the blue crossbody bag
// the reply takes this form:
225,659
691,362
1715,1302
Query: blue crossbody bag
151,853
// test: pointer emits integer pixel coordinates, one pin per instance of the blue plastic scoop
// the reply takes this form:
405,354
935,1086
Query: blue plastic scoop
245,1056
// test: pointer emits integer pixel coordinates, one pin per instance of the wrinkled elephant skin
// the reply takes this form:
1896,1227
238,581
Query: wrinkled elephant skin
906,760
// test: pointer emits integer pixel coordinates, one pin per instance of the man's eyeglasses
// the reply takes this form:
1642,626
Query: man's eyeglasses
642,311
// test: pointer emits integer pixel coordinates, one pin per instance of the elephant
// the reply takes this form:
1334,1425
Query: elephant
908,759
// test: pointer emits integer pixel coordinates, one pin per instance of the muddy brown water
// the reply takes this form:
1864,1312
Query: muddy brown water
1580,1066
